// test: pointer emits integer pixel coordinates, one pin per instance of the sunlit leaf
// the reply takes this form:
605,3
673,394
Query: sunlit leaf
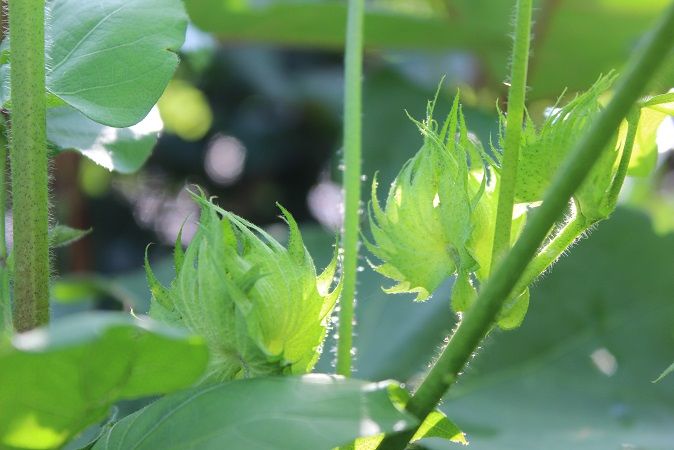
56,381
122,150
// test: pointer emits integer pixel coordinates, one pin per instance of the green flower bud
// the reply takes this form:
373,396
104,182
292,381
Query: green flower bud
421,233
260,306
439,218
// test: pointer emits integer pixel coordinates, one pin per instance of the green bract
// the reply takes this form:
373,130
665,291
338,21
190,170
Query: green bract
422,232
438,219
260,306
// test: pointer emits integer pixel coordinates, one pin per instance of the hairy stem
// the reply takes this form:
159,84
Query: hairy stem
480,317
353,73
552,251
513,137
29,164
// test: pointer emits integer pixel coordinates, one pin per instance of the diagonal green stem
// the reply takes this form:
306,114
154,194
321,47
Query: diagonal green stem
513,137
479,319
29,164
353,73
552,251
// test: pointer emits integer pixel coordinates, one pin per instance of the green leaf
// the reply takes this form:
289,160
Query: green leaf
56,381
122,150
62,235
577,374
112,59
310,412
437,425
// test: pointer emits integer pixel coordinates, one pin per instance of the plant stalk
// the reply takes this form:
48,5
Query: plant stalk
29,164
480,317
353,74
552,251
513,137
5,300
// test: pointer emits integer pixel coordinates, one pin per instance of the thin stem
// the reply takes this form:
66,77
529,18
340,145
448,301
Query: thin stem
5,300
552,251
516,99
353,73
479,319
29,164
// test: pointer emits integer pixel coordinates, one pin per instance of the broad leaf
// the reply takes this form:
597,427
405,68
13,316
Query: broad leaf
123,150
112,59
578,373
56,381
313,412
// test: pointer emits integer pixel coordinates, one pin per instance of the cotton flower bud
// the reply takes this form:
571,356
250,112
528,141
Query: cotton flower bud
439,219
259,305
421,233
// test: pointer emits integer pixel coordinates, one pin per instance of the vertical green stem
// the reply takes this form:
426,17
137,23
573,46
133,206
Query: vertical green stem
480,317
513,137
29,164
353,74
5,300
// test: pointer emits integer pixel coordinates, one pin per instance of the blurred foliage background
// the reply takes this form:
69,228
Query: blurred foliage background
253,116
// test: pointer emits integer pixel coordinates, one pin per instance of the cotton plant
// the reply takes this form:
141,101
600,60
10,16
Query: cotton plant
439,218
260,306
